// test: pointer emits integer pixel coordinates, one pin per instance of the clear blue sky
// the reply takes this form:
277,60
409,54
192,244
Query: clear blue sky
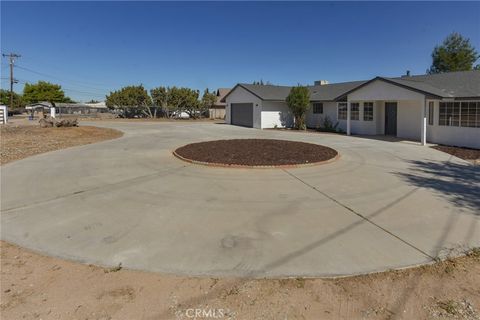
91,48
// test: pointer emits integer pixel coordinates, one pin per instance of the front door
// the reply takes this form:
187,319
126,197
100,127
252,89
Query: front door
391,118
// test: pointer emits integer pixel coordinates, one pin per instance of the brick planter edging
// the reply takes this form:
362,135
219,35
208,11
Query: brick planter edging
242,166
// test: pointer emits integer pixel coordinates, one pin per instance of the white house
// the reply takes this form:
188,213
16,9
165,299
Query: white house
440,108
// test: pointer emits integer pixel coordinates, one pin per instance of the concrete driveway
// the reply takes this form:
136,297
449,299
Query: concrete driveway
382,205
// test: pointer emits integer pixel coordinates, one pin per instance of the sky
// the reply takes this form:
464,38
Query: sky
92,48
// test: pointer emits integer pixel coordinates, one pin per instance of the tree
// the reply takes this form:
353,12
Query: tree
187,100
161,98
208,100
5,99
133,101
175,100
298,101
454,54
44,91
93,101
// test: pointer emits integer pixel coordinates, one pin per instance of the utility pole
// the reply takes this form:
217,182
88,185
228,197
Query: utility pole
12,57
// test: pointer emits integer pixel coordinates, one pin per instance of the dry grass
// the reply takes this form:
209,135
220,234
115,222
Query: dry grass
24,141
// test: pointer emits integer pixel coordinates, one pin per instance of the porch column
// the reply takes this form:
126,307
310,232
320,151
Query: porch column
348,117
423,127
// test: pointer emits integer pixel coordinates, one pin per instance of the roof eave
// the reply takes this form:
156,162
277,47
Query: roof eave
427,94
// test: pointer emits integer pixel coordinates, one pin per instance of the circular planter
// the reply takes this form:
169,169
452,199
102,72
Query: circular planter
256,153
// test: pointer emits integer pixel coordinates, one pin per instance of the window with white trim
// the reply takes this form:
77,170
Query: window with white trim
368,111
354,111
449,114
470,114
430,113
342,111
317,107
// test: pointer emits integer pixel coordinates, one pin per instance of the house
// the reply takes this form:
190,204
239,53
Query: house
3,114
81,108
217,111
45,108
440,108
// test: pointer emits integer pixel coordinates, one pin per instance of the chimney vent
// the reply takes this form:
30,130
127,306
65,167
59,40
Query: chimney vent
321,82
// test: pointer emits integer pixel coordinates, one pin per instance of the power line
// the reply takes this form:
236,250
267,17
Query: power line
57,78
95,94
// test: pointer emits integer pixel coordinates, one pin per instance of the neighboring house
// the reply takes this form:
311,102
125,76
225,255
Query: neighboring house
42,108
81,108
3,114
440,108
217,111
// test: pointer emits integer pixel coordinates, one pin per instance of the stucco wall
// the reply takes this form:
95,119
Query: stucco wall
240,95
409,121
381,90
316,120
276,114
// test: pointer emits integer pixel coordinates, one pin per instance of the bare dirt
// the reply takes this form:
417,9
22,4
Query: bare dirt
18,142
39,287
256,152
472,155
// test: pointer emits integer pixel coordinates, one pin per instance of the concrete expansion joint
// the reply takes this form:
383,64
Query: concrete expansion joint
361,216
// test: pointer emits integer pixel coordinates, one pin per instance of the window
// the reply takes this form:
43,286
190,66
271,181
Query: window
368,111
449,114
470,114
430,113
354,111
317,107
342,111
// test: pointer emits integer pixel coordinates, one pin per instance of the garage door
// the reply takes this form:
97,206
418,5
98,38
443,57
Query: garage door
242,114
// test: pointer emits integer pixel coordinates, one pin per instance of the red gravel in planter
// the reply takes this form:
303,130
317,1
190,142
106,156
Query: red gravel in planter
256,152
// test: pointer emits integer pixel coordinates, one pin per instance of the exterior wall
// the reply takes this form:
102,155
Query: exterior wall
316,120
409,119
276,114
381,90
380,117
361,126
449,135
240,95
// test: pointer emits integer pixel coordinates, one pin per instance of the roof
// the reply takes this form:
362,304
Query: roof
221,93
38,105
462,84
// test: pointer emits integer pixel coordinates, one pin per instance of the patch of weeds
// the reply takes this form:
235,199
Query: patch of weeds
283,282
475,252
114,269
449,306
233,291
300,283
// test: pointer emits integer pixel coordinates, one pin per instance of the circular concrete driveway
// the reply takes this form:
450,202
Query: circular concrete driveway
382,205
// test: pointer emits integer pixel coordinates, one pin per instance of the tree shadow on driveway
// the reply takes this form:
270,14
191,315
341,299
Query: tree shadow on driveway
457,183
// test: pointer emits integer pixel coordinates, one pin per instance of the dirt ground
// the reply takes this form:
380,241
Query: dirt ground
18,142
472,155
39,287
256,152
33,286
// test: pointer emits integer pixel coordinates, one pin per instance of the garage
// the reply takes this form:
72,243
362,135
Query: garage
242,114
